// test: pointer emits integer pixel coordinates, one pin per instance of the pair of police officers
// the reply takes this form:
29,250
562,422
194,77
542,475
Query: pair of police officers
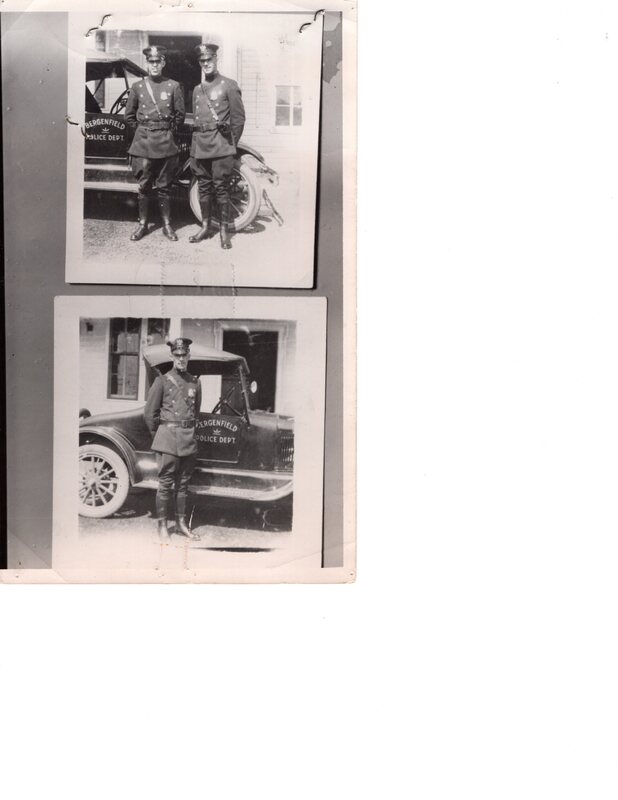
155,110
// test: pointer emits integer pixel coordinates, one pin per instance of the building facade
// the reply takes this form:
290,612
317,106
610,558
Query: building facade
113,375
273,86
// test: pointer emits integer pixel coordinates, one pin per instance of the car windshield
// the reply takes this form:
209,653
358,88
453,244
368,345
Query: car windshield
223,386
222,394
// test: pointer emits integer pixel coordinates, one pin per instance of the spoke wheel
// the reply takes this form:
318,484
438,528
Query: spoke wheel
245,198
103,481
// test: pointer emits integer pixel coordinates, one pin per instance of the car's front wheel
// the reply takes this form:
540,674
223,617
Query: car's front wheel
103,481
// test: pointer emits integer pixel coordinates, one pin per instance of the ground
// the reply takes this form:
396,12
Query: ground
223,525
265,250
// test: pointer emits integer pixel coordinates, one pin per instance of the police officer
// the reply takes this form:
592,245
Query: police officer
172,408
155,110
219,117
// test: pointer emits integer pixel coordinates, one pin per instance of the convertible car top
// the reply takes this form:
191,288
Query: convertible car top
108,66
159,354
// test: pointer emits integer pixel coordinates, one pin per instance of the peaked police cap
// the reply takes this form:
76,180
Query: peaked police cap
207,49
155,51
180,346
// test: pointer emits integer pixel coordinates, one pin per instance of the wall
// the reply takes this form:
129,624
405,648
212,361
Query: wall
94,360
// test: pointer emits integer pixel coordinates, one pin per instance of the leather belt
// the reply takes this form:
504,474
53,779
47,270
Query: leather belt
205,128
185,423
156,126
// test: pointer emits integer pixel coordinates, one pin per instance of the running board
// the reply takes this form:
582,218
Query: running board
252,495
103,167
111,186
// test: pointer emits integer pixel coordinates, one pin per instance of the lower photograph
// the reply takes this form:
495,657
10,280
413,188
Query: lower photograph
189,439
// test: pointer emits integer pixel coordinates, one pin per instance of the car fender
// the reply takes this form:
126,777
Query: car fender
242,150
117,441
247,150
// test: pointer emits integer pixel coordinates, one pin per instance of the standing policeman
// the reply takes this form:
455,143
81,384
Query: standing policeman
172,408
219,116
155,110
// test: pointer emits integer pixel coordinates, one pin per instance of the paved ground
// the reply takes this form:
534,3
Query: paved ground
229,526
266,251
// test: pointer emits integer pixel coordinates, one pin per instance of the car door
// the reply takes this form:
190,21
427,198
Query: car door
220,438
105,136
105,129
220,432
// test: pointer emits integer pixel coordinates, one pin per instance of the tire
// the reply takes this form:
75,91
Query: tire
246,197
103,481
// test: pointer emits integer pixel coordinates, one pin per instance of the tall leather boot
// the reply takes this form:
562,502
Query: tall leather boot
224,224
165,206
203,232
142,215
162,529
184,529
181,522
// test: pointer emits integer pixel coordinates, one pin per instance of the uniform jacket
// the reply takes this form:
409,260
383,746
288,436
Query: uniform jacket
140,110
226,99
173,397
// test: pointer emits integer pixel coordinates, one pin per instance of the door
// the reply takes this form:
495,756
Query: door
220,437
106,90
220,432
261,350
181,62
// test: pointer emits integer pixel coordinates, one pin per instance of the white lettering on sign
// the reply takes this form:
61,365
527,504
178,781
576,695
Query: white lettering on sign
214,439
218,423
98,137
107,121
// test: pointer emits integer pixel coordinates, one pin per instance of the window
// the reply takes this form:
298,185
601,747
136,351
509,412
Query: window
157,331
124,358
261,350
126,338
289,106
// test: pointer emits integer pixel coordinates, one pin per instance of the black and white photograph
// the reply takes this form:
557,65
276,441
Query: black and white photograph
192,148
198,432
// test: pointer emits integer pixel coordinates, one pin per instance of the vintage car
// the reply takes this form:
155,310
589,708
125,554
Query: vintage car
242,454
106,161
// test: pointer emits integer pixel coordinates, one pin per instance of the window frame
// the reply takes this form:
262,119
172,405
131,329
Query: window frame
112,353
293,90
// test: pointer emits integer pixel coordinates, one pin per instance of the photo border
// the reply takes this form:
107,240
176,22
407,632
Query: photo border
302,560
294,271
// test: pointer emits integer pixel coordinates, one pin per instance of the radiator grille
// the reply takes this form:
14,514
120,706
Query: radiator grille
286,450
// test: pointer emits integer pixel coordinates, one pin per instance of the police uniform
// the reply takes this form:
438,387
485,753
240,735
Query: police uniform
155,110
171,411
219,119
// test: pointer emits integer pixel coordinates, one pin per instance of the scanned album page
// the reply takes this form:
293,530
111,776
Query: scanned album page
103,274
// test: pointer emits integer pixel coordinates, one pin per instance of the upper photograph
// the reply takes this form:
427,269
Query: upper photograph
192,157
